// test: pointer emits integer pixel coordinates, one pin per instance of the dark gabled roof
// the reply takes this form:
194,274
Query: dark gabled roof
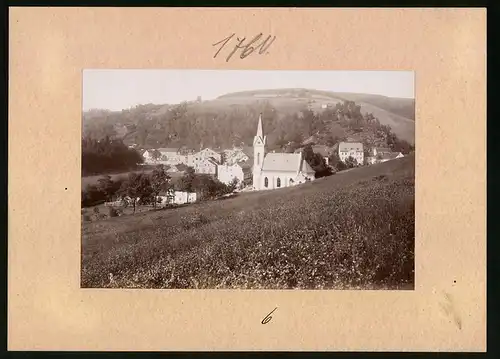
247,163
213,160
306,168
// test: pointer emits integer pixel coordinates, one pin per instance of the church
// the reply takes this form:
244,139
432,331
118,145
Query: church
277,170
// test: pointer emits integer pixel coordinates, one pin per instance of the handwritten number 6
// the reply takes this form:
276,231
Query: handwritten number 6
268,317
248,50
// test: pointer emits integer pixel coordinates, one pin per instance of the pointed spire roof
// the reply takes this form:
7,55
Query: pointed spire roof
259,127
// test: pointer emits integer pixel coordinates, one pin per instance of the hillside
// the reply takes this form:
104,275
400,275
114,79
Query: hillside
236,113
351,230
398,113
400,106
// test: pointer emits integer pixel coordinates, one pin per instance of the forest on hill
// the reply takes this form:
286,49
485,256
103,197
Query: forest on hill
233,123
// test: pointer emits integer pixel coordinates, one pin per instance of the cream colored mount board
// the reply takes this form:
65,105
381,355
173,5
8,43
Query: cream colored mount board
49,49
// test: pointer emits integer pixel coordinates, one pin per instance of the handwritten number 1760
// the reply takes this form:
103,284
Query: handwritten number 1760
247,48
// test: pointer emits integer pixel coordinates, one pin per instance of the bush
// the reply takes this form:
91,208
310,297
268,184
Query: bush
113,212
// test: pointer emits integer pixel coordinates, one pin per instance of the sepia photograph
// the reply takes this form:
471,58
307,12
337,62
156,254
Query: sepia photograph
246,179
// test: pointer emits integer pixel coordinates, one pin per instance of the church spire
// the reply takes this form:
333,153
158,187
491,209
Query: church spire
259,127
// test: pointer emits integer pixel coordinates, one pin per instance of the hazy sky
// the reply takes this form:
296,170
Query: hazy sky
120,89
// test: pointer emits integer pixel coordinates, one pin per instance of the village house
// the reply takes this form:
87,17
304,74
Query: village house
170,155
351,149
150,156
380,150
383,154
277,170
207,153
206,166
176,197
390,156
227,172
235,155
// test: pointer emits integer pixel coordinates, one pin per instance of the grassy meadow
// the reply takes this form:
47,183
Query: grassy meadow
352,230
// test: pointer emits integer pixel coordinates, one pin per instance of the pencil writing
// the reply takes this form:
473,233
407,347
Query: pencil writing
247,48
268,317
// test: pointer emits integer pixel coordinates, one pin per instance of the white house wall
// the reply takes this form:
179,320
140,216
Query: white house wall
178,197
357,155
273,179
226,174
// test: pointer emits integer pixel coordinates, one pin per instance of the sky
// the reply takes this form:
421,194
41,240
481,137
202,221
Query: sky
122,88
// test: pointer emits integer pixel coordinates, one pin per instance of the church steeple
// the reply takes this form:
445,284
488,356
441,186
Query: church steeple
259,149
259,127
259,138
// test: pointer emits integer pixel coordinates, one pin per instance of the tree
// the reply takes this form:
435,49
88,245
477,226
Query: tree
91,196
233,185
330,139
402,146
159,180
105,155
316,161
186,181
138,188
106,186
350,162
335,162
209,187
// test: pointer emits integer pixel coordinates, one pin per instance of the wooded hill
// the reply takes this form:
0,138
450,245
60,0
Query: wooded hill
289,116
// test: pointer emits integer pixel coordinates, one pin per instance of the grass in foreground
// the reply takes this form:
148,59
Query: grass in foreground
353,230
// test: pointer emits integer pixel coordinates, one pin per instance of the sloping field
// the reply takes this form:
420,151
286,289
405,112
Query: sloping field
353,230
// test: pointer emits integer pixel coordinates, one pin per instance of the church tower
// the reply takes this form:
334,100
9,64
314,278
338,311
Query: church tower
259,145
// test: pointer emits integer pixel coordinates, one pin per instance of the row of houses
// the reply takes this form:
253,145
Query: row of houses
204,161
225,166
357,152
239,162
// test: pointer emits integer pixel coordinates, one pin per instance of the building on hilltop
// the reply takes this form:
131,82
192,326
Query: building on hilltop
351,149
277,170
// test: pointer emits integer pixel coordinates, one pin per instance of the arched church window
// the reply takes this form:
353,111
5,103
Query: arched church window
266,182
278,182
